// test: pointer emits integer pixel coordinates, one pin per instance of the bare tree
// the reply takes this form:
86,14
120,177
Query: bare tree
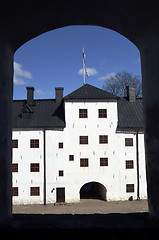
118,83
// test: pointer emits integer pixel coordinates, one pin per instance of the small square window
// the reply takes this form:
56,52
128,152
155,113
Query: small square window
26,115
129,188
71,157
34,143
83,113
15,143
83,162
61,173
129,164
15,191
128,142
83,139
34,167
103,162
102,113
103,139
60,144
14,167
35,191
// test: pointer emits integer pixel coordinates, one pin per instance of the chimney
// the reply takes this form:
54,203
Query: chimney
131,93
59,93
30,95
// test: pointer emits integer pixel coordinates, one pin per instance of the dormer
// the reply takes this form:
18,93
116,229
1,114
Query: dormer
26,112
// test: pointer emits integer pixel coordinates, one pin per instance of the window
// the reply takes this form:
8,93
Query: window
15,191
14,167
60,144
26,115
103,162
34,143
34,167
129,164
102,113
129,188
83,139
83,162
71,157
15,143
128,142
103,139
26,112
83,113
61,173
35,191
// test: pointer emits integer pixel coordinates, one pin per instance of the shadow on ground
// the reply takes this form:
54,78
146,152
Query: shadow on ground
82,221
84,226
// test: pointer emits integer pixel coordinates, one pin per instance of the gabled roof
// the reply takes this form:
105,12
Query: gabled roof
50,113
46,113
130,114
27,109
89,92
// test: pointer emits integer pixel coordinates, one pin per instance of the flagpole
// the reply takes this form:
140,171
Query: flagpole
84,67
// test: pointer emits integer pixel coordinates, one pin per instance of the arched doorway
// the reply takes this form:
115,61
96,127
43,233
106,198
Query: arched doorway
93,190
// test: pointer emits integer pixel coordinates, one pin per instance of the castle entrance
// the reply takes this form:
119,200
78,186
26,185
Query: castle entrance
93,190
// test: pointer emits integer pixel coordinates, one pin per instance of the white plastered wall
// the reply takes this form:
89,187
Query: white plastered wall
24,155
114,176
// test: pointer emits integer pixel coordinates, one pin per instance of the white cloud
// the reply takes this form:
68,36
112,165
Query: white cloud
20,73
90,71
39,92
107,76
18,81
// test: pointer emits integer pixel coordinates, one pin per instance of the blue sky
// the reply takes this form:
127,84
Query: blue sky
54,59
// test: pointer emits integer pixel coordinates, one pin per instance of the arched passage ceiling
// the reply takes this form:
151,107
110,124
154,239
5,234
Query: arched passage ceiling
24,20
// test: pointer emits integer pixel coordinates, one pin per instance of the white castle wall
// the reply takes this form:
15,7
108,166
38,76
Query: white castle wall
24,155
114,176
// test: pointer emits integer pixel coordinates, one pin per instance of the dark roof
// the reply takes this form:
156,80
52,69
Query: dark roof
46,113
49,113
130,114
90,92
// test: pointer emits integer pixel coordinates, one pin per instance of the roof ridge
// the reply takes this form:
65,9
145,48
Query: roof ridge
88,91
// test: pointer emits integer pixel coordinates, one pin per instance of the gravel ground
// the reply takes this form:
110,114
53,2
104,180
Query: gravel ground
85,206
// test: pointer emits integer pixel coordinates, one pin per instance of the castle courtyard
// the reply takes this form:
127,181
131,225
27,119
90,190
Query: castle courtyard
85,206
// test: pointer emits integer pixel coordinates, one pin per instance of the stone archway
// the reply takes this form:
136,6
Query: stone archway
136,20
93,190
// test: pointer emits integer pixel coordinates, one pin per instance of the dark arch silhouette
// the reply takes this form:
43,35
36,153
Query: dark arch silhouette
136,20
93,190
29,20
